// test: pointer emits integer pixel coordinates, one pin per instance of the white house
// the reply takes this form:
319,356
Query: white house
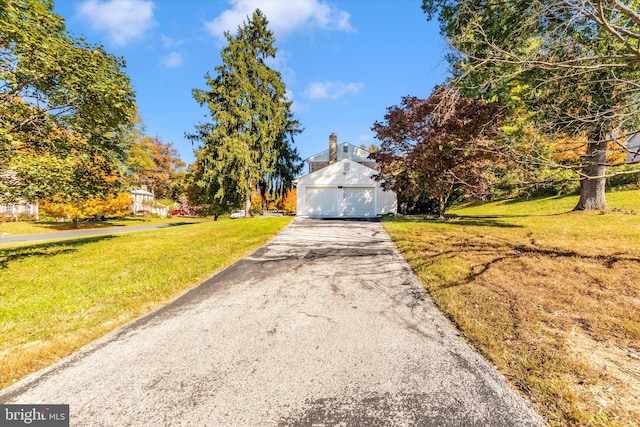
16,210
142,201
342,188
20,210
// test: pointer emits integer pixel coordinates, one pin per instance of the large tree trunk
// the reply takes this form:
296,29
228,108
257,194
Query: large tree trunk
592,185
247,206
442,206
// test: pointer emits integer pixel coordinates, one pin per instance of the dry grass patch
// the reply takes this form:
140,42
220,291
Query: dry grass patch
551,298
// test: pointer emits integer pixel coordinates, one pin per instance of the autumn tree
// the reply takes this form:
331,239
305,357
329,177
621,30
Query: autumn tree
574,64
246,141
155,164
289,202
439,145
64,106
110,206
168,166
371,148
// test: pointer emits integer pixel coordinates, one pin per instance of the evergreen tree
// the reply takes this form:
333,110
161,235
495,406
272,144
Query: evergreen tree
250,120
288,165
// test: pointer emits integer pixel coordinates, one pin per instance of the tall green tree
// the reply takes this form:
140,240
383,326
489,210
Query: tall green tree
65,107
288,164
574,64
250,120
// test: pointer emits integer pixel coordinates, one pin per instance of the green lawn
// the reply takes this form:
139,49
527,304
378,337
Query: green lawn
620,200
550,296
56,297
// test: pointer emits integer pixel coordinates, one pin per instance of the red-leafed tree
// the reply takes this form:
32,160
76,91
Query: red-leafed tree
438,146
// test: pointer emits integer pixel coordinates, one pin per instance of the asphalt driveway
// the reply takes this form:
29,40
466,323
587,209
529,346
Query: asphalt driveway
325,325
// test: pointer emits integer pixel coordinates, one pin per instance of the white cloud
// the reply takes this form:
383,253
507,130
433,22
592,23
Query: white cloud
365,138
284,16
122,20
172,60
296,107
169,43
331,90
281,63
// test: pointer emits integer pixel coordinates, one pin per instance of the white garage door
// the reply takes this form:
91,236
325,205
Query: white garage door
359,202
321,202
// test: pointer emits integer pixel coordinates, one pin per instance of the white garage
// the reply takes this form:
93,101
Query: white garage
358,201
344,189
321,201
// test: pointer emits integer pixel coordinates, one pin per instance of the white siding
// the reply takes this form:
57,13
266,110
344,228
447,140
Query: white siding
633,145
321,201
359,202
386,202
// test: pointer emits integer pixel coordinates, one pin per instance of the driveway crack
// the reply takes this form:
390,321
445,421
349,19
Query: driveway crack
317,315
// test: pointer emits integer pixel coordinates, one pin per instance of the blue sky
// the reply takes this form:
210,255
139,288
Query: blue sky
343,62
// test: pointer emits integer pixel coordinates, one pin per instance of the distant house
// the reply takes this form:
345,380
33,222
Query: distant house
144,201
341,184
19,211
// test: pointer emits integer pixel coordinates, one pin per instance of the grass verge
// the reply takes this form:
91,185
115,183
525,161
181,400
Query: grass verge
551,297
19,228
56,297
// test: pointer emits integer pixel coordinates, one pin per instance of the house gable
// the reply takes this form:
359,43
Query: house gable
343,151
344,172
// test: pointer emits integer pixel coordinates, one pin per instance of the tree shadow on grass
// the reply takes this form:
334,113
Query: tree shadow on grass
479,222
526,215
502,250
49,249
474,221
535,198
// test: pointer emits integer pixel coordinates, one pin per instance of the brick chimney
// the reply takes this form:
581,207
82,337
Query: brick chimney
333,148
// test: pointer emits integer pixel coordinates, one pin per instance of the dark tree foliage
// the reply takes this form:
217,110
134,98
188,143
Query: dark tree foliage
199,190
439,146
288,165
